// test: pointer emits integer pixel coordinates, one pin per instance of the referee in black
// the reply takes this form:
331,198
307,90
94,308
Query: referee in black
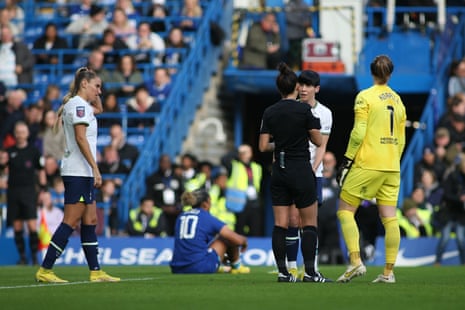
290,124
24,167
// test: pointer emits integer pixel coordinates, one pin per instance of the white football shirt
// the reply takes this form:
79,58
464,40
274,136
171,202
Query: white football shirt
78,111
326,122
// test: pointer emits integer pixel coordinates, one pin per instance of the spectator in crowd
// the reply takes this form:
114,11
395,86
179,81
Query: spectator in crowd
108,196
52,213
51,42
121,25
432,189
126,77
51,168
33,119
17,60
442,144
11,113
159,12
414,219
146,220
160,86
174,40
57,191
16,14
165,188
110,45
5,20
110,105
148,45
429,161
451,217
246,175
329,250
95,62
51,98
142,103
24,162
3,175
202,177
53,143
88,27
129,9
454,119
194,12
127,152
263,46
202,247
111,163
81,9
218,199
188,165
456,83
298,27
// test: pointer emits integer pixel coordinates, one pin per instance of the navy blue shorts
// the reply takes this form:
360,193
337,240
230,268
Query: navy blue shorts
79,189
208,264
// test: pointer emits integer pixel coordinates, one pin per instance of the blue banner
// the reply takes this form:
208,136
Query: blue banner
130,251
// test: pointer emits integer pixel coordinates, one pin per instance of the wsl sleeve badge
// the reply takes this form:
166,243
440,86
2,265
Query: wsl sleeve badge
80,111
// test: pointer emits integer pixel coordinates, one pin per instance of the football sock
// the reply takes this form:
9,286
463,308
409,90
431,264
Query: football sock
308,247
33,243
237,264
292,246
278,244
20,246
351,235
391,241
57,245
90,246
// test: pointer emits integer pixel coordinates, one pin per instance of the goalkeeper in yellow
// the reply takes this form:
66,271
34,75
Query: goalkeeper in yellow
371,167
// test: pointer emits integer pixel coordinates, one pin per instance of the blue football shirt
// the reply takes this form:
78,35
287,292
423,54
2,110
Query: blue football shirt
194,230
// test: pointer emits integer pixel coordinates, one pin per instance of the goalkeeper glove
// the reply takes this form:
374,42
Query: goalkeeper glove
343,170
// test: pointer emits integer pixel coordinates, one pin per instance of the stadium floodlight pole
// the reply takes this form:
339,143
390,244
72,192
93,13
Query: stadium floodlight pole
441,14
390,16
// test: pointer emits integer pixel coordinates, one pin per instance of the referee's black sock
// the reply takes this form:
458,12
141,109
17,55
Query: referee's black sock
278,243
20,246
308,246
34,245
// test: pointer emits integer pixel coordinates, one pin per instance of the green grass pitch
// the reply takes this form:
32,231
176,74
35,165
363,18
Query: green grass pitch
156,288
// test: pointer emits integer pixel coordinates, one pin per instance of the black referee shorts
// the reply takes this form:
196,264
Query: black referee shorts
21,203
293,184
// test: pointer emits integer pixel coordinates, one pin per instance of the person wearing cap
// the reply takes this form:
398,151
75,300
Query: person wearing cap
87,27
201,240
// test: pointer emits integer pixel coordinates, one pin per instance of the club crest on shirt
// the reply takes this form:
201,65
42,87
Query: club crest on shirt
80,111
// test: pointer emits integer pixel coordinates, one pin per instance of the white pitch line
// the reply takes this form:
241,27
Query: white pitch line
70,283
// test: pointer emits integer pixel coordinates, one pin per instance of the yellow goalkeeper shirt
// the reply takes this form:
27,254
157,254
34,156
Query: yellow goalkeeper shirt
377,139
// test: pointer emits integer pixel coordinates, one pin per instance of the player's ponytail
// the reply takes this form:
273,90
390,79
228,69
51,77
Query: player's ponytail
81,74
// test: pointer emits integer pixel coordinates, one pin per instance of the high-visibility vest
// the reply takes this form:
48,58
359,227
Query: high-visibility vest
133,215
239,178
410,230
218,207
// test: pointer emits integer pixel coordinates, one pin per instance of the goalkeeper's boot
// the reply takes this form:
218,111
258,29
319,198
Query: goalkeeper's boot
240,270
48,276
352,272
287,278
102,276
385,279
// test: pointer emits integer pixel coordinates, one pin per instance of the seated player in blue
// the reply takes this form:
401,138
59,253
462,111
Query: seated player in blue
202,242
